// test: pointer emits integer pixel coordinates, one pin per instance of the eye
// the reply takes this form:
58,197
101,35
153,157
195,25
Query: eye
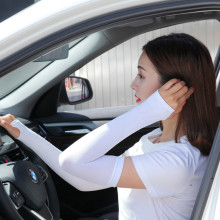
140,76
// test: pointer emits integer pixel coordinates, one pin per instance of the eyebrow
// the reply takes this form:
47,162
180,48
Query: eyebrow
140,67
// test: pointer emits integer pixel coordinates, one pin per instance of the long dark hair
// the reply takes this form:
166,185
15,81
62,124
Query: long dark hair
183,57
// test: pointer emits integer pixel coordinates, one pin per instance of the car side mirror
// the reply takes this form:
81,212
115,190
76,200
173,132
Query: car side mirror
76,90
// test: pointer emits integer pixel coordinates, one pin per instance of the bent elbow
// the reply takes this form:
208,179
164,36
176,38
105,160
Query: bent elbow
64,162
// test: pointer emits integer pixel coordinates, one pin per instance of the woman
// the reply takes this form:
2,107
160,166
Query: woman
159,177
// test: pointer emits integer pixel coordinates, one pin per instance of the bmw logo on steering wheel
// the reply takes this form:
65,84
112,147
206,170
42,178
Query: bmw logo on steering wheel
33,176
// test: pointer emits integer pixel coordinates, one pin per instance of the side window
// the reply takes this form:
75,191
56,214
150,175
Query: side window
111,73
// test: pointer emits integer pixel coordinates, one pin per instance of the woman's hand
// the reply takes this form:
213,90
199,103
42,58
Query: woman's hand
175,93
5,122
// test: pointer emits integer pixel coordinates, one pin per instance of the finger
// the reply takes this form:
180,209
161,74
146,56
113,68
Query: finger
181,92
183,97
9,118
189,93
176,87
170,84
15,132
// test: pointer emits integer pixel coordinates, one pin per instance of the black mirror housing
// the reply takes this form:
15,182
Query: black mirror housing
75,90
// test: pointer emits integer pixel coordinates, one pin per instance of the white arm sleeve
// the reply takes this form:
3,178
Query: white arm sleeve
50,155
86,158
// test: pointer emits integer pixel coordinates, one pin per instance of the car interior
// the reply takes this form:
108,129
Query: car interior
43,76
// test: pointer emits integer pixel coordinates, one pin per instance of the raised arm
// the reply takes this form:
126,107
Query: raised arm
86,157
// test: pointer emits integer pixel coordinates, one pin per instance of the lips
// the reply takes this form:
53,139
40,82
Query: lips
138,99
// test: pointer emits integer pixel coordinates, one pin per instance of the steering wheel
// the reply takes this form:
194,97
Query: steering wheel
27,189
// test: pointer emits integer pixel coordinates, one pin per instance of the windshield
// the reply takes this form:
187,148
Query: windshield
16,78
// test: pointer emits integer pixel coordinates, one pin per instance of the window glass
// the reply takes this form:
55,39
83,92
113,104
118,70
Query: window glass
111,73
29,70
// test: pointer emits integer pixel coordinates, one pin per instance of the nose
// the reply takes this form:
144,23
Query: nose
133,84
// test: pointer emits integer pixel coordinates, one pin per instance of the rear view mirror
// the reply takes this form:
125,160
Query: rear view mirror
77,89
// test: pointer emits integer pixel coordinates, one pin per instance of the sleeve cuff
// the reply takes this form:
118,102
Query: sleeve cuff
16,123
158,105
117,172
162,101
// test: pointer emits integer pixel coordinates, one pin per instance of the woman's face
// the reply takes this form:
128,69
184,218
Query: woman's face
147,80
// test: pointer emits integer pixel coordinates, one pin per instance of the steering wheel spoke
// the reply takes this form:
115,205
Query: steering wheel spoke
43,173
14,194
41,214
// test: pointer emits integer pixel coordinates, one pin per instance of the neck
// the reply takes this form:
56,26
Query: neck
169,127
